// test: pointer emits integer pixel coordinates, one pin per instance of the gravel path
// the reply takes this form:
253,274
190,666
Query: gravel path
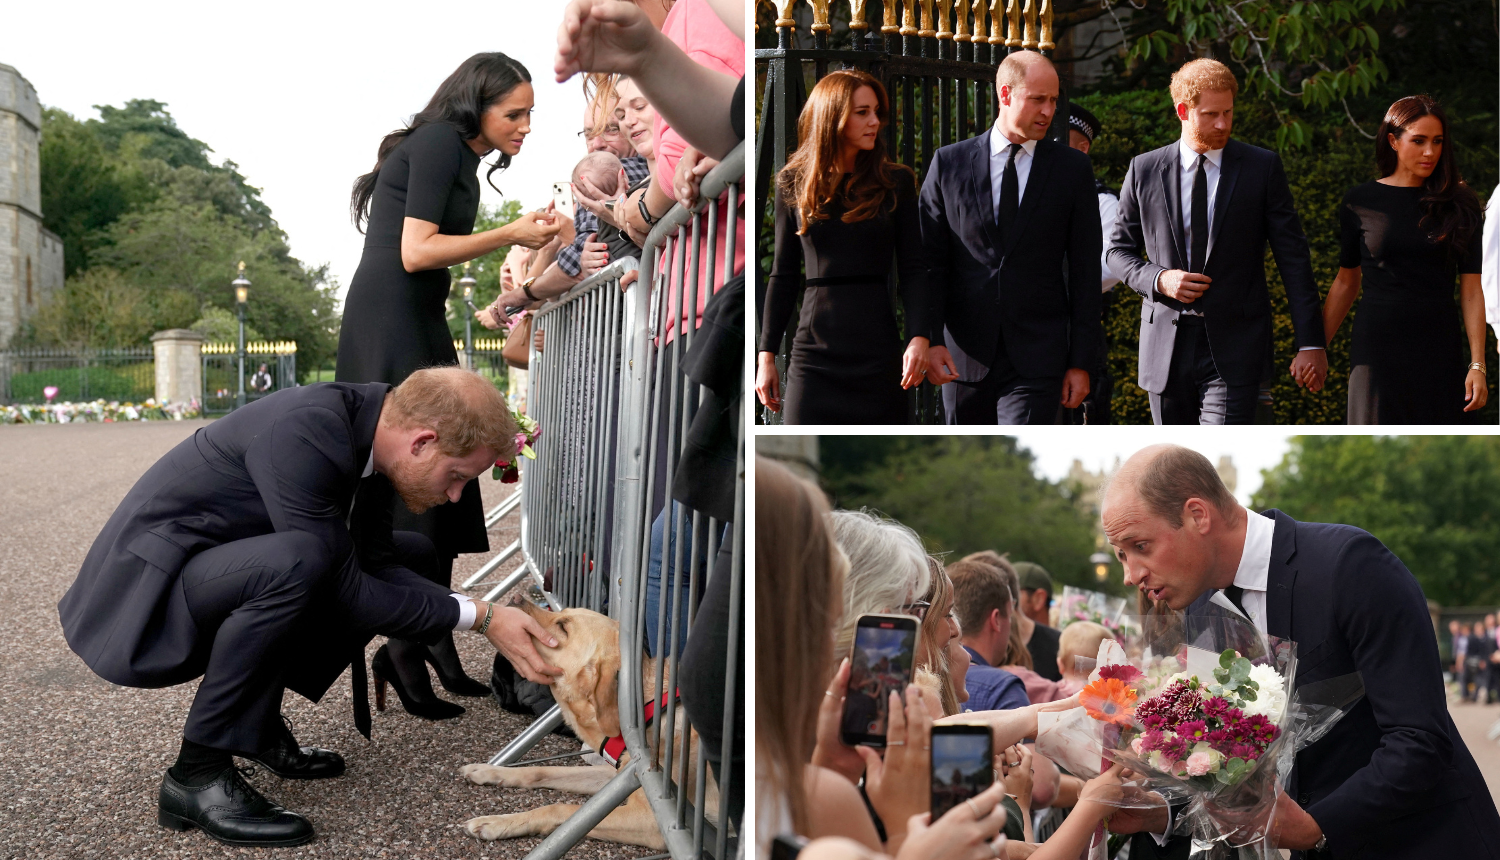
81,759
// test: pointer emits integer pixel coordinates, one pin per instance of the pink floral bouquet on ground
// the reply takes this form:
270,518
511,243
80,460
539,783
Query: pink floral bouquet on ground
508,471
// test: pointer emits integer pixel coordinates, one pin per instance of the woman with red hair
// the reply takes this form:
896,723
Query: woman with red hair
842,208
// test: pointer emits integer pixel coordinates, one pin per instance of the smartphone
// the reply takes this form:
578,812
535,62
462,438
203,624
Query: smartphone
787,847
562,198
962,765
880,662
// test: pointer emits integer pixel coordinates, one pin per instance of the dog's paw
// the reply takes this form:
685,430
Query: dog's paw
484,774
491,827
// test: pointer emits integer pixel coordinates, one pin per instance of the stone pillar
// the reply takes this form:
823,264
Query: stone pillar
798,453
179,365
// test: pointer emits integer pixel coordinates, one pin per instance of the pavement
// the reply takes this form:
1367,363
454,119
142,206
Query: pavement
81,760
1474,722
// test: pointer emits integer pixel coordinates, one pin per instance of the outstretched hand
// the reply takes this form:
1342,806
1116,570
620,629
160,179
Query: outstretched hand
515,634
602,36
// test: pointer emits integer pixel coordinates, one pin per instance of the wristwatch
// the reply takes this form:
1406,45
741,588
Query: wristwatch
526,288
1322,844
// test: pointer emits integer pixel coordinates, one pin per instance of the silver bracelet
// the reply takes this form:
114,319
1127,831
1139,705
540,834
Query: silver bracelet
488,614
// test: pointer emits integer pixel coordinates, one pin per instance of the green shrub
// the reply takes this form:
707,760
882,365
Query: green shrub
132,383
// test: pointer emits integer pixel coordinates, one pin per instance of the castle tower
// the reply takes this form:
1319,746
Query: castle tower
31,256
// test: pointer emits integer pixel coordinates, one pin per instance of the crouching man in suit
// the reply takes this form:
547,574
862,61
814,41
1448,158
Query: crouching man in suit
259,555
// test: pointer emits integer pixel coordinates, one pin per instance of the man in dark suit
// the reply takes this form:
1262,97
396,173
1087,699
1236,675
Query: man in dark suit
259,555
1010,225
1393,778
1195,217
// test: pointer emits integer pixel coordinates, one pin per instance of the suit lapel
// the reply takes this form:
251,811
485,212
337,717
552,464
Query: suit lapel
983,191
1282,577
1229,171
1036,183
1171,183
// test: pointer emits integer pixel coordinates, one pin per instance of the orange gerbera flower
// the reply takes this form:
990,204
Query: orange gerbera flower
1109,700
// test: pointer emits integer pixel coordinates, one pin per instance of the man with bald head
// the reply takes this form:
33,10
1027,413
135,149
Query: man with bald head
1393,778
1010,226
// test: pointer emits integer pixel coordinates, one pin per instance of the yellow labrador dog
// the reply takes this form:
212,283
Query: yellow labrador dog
588,652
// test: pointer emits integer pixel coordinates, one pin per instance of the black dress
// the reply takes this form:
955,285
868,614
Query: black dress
1410,353
846,356
395,321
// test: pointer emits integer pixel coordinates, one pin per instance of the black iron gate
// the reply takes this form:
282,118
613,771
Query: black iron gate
940,78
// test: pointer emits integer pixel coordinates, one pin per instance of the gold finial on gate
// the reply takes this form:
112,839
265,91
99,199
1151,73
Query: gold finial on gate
927,31
888,16
908,17
784,13
1013,24
961,21
857,15
997,22
944,8
1028,41
1046,42
820,16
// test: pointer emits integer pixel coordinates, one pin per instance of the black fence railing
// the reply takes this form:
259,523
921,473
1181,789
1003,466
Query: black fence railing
77,375
937,61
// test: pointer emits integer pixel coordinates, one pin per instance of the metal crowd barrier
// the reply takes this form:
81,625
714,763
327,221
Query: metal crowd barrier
656,405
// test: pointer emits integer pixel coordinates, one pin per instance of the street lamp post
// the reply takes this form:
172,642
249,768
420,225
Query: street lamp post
241,295
1100,561
467,282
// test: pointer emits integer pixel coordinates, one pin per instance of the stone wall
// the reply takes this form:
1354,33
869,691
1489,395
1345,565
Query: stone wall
30,256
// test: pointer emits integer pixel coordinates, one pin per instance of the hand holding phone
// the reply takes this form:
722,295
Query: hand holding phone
897,783
880,663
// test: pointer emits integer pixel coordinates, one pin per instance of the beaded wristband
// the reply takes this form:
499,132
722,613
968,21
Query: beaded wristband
488,614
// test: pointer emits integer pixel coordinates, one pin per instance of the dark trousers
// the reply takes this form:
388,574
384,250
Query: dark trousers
1195,393
701,679
1003,396
260,604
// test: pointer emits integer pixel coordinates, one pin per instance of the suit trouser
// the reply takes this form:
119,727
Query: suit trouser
1195,393
1004,396
250,600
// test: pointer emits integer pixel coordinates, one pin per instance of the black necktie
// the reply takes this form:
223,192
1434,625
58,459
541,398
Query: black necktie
1010,194
1235,593
1199,253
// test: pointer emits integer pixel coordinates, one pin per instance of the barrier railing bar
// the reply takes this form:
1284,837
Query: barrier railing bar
489,566
509,582
502,510
594,810
522,743
731,662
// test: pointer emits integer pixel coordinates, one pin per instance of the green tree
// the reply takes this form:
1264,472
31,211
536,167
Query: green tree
85,186
964,494
1430,499
99,308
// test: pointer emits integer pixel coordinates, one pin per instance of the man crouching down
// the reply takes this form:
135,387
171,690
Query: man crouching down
259,554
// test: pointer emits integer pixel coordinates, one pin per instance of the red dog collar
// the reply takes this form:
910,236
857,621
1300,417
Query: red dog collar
614,747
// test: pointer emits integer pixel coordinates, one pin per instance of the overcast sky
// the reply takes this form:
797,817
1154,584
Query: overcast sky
298,94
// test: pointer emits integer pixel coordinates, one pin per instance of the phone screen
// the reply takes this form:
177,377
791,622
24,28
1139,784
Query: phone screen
881,662
962,765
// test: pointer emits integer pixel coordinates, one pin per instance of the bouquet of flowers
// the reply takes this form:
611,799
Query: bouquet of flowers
1203,709
1080,604
98,410
508,471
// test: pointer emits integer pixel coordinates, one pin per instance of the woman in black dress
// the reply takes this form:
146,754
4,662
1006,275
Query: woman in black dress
1403,238
419,206
844,208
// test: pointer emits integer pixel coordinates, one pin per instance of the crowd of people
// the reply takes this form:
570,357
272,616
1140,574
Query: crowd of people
988,654
1476,658
1001,254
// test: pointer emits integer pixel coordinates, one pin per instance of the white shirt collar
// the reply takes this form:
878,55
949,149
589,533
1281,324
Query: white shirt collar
1255,559
370,466
1190,158
1000,143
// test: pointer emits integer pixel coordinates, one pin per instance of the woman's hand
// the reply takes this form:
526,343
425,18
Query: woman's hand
1105,786
831,752
602,36
595,256
1476,390
534,229
767,381
539,339
965,832
589,196
490,318
914,363
1015,767
899,786
691,169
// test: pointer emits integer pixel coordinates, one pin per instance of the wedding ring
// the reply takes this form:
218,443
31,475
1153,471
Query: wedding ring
895,743
828,693
972,808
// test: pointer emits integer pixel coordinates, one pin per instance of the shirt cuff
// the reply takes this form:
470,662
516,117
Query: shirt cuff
1165,834
467,612
1306,348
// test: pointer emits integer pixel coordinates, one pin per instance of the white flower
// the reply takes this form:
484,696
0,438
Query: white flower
1270,700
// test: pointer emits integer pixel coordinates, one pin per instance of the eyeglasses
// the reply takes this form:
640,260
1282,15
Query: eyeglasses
918,608
609,131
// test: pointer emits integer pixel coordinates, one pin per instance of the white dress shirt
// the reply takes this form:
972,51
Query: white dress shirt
1215,158
1254,569
467,612
1109,209
999,154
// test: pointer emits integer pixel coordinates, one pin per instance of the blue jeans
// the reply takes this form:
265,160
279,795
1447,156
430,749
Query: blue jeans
664,546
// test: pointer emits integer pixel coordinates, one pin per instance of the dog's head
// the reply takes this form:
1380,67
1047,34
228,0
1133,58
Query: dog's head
588,652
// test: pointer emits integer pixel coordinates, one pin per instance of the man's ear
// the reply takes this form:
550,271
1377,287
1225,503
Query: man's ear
1182,111
421,440
993,621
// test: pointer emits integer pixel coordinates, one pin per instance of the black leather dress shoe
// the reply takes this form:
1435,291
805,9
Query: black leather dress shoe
231,811
288,760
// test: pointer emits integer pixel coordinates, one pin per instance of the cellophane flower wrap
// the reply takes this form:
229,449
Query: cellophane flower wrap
508,471
1204,709
1081,604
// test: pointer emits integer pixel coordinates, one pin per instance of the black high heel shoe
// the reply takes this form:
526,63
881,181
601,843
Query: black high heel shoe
443,657
427,706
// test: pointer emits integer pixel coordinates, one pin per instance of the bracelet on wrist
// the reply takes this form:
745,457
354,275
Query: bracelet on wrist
489,613
1478,365
646,213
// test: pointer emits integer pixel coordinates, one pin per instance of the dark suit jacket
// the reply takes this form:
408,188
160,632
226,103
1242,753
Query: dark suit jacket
984,287
1252,206
1393,778
290,461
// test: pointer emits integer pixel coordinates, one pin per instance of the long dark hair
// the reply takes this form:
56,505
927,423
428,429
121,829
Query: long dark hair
1451,211
813,173
461,101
